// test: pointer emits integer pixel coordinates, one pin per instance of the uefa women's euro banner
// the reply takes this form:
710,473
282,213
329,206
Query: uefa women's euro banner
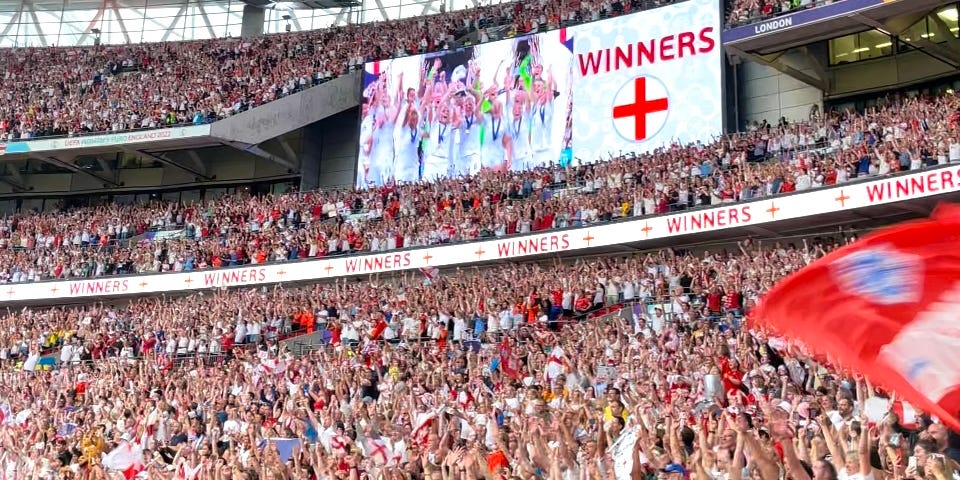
634,83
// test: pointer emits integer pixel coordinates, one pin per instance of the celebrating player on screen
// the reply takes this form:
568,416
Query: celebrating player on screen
458,122
385,115
408,136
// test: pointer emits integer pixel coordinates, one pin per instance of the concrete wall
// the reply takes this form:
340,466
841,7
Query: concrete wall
885,73
290,113
252,25
765,93
330,151
225,164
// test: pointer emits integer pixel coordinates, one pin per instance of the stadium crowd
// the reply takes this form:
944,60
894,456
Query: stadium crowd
112,88
621,368
479,374
905,134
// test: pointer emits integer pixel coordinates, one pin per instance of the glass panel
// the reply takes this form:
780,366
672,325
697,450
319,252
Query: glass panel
189,196
218,20
46,16
195,28
214,193
371,14
325,18
841,49
860,46
8,207
916,31
124,199
874,44
462,4
392,13
235,28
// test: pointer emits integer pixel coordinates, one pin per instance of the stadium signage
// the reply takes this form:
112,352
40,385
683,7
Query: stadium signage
108,140
591,90
773,25
807,204
798,19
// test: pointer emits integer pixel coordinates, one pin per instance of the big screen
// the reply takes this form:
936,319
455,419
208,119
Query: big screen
628,84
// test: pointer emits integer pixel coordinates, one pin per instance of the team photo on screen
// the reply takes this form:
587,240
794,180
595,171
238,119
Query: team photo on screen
501,106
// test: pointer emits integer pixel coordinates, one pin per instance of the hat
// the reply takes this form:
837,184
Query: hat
674,468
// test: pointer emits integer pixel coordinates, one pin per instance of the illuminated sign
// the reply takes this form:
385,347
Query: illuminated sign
581,92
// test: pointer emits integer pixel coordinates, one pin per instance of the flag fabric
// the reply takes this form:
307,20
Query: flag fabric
566,39
371,73
554,364
906,414
285,446
884,306
272,366
189,473
335,443
421,427
399,453
378,328
431,274
508,363
622,453
376,449
126,458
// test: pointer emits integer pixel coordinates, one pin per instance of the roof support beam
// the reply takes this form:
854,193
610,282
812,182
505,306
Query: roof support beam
105,167
14,179
75,169
777,64
119,19
197,161
166,161
256,150
931,49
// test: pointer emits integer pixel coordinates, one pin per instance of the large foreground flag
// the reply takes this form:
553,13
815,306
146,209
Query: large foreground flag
887,306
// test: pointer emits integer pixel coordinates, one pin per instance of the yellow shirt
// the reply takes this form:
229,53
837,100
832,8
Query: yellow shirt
608,414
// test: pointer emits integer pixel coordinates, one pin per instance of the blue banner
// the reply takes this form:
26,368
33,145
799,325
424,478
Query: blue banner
798,18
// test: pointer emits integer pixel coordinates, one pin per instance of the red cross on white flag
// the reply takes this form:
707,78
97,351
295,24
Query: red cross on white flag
640,108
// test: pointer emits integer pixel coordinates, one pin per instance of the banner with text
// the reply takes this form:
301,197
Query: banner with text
639,89
545,99
802,205
108,140
798,18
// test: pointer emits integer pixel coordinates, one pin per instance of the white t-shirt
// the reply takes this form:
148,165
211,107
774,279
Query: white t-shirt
955,152
843,475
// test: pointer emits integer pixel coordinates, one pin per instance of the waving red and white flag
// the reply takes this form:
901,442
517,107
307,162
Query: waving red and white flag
126,458
886,307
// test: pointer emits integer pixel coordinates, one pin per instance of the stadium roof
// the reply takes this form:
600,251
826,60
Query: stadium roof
34,23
